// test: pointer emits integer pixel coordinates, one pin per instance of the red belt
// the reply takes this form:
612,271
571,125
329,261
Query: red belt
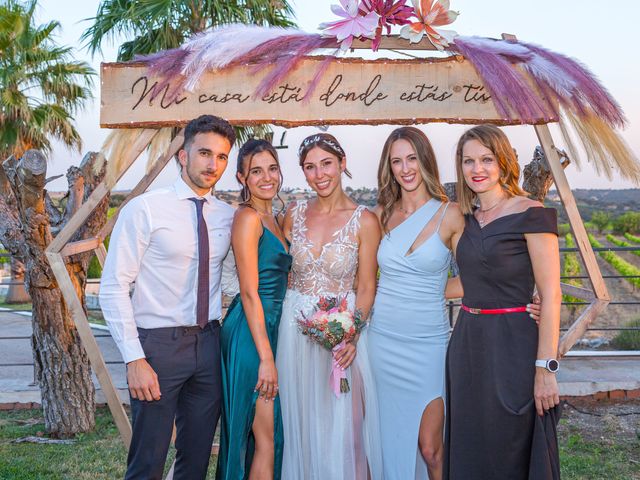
493,311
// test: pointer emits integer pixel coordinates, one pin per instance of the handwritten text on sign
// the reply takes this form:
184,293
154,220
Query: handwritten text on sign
349,92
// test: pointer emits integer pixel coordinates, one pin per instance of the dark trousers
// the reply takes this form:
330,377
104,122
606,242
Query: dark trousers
187,362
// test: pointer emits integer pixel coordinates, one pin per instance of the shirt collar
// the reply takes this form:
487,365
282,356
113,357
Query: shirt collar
184,191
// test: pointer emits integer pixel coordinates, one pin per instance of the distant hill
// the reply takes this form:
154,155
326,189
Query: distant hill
616,202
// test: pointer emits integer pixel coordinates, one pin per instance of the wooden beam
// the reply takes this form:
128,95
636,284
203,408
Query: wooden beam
394,42
146,181
578,292
569,202
352,91
53,253
91,346
101,253
78,218
579,327
80,246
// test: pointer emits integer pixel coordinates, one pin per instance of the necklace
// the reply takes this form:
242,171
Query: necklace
407,212
482,220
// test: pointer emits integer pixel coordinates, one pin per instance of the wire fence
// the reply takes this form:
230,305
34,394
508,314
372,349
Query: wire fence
452,306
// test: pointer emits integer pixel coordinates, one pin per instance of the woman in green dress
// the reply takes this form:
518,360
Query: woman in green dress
251,429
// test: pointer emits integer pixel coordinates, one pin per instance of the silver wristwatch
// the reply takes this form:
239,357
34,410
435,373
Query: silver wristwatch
552,364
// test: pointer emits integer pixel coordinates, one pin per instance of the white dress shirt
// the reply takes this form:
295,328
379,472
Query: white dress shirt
155,244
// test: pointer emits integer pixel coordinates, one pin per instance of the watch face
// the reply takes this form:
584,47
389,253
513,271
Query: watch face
553,365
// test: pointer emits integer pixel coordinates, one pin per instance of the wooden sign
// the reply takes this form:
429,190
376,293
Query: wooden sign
351,91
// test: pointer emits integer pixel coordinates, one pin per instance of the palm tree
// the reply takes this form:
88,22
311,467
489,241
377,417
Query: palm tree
41,87
157,25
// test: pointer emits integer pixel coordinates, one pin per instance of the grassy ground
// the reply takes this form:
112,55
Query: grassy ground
99,455
594,451
582,459
15,306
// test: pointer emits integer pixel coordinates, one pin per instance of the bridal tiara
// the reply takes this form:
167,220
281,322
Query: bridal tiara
318,138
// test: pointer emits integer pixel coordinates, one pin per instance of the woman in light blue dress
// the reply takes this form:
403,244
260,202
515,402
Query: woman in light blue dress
409,330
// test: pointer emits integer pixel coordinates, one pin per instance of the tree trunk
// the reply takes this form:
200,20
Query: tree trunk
537,174
61,363
17,292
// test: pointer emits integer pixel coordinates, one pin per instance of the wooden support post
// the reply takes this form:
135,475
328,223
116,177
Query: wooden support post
53,253
80,246
91,346
578,292
569,202
582,241
144,183
98,194
101,253
578,328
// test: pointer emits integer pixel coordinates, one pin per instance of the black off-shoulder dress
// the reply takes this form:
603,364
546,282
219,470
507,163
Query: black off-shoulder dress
491,414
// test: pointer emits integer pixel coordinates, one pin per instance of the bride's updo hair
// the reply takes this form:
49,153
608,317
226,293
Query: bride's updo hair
323,141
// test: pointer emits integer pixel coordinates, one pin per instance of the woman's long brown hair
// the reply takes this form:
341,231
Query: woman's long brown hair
389,191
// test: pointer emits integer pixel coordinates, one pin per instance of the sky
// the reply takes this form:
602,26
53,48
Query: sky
602,37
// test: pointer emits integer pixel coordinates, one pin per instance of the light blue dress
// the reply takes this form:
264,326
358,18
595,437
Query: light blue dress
408,337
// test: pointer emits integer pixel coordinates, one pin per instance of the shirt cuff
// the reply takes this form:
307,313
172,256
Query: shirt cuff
131,350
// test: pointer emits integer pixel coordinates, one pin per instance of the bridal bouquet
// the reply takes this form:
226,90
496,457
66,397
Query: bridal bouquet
332,325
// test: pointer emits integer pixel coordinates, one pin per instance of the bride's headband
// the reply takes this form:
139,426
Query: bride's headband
318,138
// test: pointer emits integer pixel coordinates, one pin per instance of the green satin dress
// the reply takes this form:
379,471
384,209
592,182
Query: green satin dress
240,364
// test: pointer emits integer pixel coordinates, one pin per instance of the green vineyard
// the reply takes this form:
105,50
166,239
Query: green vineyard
622,266
571,268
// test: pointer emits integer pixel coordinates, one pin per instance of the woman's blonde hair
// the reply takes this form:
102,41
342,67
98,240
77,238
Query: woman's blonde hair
495,140
389,190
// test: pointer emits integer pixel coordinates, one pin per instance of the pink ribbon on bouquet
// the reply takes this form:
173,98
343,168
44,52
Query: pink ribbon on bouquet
338,378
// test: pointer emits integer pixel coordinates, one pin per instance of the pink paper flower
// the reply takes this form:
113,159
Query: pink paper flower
431,13
353,26
391,12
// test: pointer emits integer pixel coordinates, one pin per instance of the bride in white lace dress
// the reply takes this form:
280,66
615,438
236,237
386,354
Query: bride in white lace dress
333,244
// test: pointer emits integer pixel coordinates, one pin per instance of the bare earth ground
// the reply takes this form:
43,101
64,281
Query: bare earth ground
620,290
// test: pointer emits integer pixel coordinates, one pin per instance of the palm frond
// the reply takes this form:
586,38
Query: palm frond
150,26
41,85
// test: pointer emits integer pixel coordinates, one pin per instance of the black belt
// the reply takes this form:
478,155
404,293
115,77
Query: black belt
195,329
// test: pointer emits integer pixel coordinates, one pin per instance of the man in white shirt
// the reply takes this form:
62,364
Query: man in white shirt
171,242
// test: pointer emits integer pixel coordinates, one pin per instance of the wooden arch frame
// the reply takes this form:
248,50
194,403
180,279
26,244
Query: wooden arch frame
60,247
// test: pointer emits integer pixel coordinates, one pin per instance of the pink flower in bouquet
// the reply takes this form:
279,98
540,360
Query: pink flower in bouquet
353,26
391,12
332,325
431,13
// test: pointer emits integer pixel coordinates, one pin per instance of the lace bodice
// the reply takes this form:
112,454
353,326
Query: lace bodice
334,270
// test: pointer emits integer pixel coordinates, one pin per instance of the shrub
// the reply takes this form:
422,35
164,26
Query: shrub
4,259
563,229
601,220
628,339
627,223
94,270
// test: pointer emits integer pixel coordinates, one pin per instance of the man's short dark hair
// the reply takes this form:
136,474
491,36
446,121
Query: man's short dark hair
208,124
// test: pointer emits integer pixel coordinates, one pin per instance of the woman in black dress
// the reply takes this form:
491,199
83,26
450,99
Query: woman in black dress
500,364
